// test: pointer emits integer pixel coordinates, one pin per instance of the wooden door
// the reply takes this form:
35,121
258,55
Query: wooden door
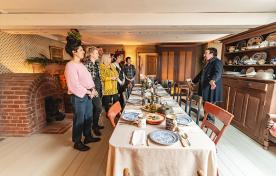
167,62
151,62
185,65
177,62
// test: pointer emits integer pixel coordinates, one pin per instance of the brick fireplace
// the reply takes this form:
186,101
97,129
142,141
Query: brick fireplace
22,102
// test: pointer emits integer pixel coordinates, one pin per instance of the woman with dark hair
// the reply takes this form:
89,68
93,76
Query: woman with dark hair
117,59
81,88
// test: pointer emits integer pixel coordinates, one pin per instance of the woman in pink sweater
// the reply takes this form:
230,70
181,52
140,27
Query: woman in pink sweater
82,89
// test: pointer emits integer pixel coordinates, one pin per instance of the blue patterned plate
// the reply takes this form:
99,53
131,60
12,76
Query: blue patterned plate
163,137
130,116
183,119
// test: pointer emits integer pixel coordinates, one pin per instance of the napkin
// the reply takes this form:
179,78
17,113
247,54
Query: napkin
178,110
138,137
171,103
133,111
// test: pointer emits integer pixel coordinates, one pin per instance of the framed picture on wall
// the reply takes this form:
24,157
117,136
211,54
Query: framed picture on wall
56,53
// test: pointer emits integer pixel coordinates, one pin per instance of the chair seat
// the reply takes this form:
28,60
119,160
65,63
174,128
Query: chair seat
272,138
113,112
224,116
184,99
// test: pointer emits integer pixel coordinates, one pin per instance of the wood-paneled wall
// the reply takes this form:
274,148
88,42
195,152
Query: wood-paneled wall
178,62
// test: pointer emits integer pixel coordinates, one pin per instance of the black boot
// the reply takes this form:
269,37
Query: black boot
97,131
81,147
100,127
90,139
211,119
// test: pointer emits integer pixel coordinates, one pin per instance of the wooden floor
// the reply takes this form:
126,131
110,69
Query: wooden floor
53,155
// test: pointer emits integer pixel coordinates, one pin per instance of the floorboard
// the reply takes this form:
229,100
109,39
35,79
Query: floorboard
53,155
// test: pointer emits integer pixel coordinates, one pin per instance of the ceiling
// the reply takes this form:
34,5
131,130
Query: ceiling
131,6
135,22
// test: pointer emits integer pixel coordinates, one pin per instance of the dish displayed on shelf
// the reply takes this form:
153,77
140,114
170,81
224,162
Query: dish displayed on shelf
271,37
250,71
231,73
255,41
183,119
229,62
250,62
241,45
231,49
261,62
273,60
264,44
259,55
163,137
270,70
236,60
243,59
264,75
154,119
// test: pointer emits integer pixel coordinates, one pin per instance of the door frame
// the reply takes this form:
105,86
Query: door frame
138,61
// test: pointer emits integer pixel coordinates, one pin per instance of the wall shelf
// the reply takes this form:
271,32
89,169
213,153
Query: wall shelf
251,50
265,65
263,31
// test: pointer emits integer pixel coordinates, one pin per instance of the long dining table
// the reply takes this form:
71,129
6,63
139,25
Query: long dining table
153,159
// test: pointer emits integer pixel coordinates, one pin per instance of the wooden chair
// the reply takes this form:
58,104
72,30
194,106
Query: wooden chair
224,116
126,172
268,138
175,90
183,97
113,112
168,86
195,106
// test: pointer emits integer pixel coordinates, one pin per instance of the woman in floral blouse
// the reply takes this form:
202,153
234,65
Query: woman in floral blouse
109,77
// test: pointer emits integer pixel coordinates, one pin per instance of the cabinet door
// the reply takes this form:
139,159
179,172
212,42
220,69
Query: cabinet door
254,111
247,105
237,100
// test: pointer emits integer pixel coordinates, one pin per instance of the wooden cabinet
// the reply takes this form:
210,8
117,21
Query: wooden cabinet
249,100
242,49
177,62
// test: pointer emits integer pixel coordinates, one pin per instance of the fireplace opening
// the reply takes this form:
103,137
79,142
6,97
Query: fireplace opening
52,109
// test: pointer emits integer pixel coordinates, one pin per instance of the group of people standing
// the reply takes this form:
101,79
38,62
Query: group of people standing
94,80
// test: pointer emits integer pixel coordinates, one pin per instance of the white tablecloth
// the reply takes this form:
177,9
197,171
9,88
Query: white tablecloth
154,159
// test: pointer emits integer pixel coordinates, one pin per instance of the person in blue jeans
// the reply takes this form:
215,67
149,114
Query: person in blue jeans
92,65
130,73
82,89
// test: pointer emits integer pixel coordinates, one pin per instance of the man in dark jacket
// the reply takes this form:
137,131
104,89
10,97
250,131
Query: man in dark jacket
209,78
130,73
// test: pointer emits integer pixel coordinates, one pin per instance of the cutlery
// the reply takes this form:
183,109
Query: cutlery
185,136
127,123
180,138
147,141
